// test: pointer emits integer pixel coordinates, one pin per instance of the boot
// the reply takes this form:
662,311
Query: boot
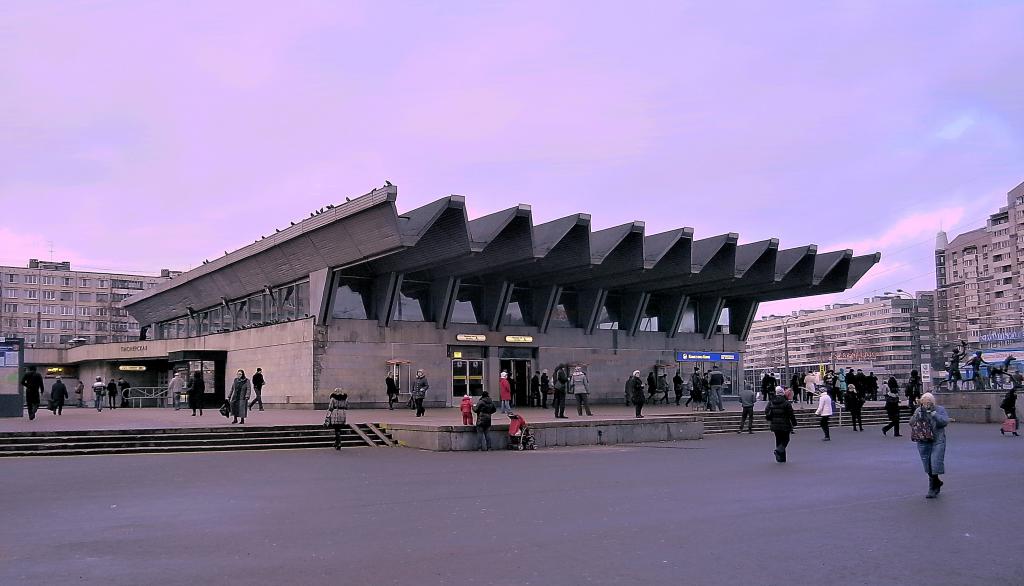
938,485
933,491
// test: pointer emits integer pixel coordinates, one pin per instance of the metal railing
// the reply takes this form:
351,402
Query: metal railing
155,396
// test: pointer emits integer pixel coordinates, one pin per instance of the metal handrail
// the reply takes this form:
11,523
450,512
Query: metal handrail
135,395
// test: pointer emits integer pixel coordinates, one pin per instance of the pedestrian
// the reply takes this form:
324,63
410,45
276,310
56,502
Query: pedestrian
810,385
80,393
794,385
841,381
505,393
122,391
58,393
175,388
767,388
824,411
717,380
112,394
337,412
257,386
98,390
695,384
677,387
892,410
747,398
534,400
914,389
854,401
1009,407
781,420
466,407
420,386
933,452
705,391
652,386
484,408
238,400
561,386
873,386
545,388
636,387
391,388
580,387
195,393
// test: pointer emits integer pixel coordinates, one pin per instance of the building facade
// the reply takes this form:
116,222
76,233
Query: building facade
979,278
890,335
359,291
50,305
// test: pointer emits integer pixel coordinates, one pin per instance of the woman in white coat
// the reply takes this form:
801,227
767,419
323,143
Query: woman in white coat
824,411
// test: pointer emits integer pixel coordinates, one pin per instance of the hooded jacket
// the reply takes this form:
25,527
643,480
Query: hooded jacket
338,408
779,414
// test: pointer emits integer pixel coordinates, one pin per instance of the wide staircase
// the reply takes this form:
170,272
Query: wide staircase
729,421
207,439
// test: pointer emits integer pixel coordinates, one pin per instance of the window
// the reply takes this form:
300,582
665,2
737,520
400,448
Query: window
50,295
566,310
413,302
520,307
49,280
30,323
49,310
31,280
85,297
68,282
67,310
85,326
118,296
67,324
353,298
31,338
122,284
30,308
10,293
11,278
49,339
67,296
101,326
85,282
31,294
46,324
85,311
101,311
100,297
468,304
103,284
101,339
10,308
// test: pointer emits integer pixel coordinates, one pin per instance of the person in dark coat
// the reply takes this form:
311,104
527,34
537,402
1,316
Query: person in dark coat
561,384
892,410
652,383
637,392
1009,407
854,403
122,390
677,387
872,387
420,386
112,394
915,387
195,389
695,387
257,386
545,388
534,400
781,420
238,400
33,383
337,410
58,393
484,408
392,390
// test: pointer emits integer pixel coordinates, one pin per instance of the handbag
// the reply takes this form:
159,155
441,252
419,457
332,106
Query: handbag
327,420
225,409
921,428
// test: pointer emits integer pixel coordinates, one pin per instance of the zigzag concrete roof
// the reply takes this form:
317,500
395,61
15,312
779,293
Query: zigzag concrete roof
439,241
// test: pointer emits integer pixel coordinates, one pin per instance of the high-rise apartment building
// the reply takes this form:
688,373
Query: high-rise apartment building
49,304
889,334
979,279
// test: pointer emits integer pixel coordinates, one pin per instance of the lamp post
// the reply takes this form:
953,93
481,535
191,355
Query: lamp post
785,345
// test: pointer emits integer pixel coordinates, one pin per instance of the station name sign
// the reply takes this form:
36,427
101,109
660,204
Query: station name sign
139,348
519,339
131,368
707,356
1011,336
471,338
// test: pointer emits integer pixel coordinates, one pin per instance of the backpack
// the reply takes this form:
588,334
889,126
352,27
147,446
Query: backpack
560,379
921,428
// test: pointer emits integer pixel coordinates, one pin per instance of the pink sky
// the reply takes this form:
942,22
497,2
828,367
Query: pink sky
141,135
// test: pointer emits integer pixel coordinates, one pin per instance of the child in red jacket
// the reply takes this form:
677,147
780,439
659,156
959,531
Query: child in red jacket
467,410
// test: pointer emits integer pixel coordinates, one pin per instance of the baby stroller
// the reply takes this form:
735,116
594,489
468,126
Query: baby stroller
520,436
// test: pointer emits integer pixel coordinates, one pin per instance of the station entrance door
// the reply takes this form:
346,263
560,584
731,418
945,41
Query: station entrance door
519,372
467,377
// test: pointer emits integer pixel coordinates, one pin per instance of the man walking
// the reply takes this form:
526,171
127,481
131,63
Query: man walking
561,384
80,393
747,398
112,394
419,392
580,386
545,388
33,383
257,385
716,381
636,389
174,390
98,390
122,391
58,393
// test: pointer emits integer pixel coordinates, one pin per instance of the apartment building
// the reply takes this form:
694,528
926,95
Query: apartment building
890,335
51,305
979,278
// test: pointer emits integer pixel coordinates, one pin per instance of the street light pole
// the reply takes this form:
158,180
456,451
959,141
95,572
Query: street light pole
785,344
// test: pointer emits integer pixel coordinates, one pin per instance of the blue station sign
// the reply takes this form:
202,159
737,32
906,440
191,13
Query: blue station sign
707,356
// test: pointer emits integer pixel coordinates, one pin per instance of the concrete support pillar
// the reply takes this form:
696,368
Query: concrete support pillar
321,292
495,302
633,307
590,303
443,293
741,316
709,309
385,295
545,299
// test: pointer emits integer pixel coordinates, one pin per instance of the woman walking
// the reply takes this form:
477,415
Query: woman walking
484,408
781,420
930,419
337,410
677,387
392,390
637,393
914,386
854,403
824,411
892,410
195,393
239,398
419,392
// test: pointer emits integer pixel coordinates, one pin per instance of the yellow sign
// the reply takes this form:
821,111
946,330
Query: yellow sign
129,368
456,354
519,339
471,338
54,370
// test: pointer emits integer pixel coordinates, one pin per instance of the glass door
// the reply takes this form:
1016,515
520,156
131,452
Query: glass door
467,377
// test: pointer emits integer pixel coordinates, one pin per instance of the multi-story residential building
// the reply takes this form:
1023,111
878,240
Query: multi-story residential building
979,279
890,335
50,305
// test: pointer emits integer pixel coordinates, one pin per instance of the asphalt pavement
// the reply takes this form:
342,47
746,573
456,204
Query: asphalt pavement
715,511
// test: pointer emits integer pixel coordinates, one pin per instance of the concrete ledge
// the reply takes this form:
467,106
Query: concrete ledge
589,432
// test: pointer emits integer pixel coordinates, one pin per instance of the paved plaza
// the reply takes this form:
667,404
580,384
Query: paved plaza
715,511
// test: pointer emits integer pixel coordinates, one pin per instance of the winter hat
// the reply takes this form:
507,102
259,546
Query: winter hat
636,373
504,374
780,391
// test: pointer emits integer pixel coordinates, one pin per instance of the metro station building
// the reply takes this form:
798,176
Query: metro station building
361,290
